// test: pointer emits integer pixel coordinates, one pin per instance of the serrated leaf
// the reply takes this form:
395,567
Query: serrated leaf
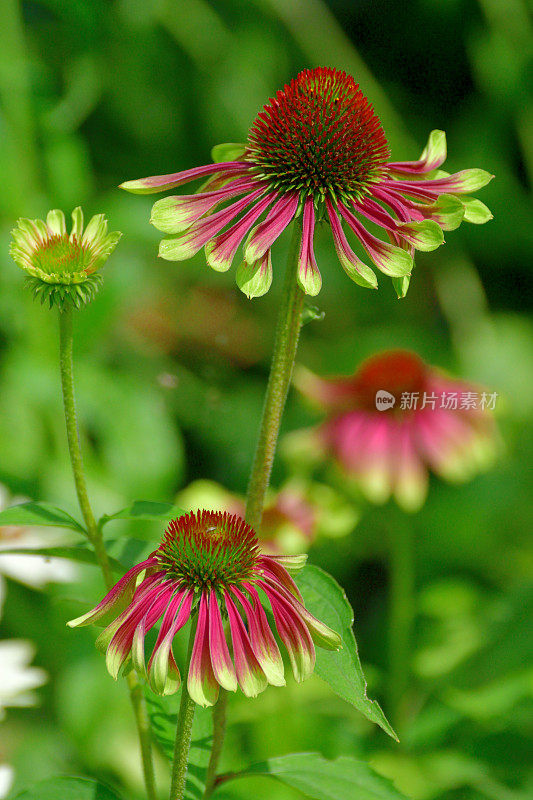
146,510
320,779
80,554
164,716
32,513
340,669
66,788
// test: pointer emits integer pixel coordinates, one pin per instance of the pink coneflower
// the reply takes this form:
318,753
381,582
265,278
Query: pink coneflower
316,151
396,418
208,568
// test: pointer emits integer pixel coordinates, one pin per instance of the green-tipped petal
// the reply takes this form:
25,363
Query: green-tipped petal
435,150
425,235
171,216
475,211
470,180
177,248
447,211
230,151
55,221
255,279
215,256
401,286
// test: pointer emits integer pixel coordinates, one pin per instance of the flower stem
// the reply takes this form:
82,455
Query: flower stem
183,734
402,587
95,534
219,731
285,346
67,384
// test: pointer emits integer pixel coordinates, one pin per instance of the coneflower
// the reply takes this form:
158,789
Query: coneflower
316,151
208,568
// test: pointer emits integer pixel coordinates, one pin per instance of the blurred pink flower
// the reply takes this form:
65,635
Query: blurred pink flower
397,418
208,568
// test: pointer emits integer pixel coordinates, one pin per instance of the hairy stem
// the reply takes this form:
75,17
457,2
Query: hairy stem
95,535
219,731
183,734
285,346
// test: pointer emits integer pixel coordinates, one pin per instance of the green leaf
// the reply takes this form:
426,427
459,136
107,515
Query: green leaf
340,669
320,779
145,510
32,513
80,554
229,151
163,716
65,788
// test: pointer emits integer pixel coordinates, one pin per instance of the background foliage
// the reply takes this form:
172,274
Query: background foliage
172,360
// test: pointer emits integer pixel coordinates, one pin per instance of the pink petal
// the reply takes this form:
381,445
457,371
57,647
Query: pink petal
220,251
263,237
118,597
160,183
221,662
251,677
201,682
308,273
261,638
293,633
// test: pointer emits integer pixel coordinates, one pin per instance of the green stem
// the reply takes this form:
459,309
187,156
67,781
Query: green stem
219,731
67,383
95,534
183,734
285,346
402,590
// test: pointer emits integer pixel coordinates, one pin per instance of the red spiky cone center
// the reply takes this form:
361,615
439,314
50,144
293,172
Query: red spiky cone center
319,135
208,550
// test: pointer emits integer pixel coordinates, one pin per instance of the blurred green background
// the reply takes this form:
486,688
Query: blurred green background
171,363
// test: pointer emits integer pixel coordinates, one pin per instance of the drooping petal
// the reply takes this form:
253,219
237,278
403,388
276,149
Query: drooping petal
221,250
250,675
221,662
189,243
120,645
321,634
137,645
163,672
117,598
160,183
351,264
262,639
277,571
425,235
176,213
309,277
265,234
391,260
254,280
201,682
433,155
293,632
